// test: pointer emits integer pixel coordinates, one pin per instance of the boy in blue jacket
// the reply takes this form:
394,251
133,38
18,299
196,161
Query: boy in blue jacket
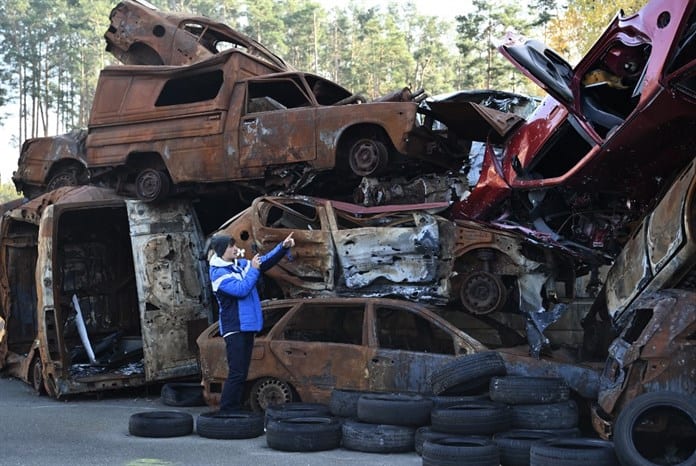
234,285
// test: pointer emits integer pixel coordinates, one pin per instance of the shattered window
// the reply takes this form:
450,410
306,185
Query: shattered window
271,316
401,329
273,95
328,323
295,216
190,89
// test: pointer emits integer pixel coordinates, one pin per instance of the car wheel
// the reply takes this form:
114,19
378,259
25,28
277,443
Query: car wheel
269,391
229,425
425,433
475,417
563,415
37,378
378,438
657,428
63,177
482,293
160,424
528,390
463,451
296,410
304,434
152,185
573,452
395,409
182,394
467,375
367,157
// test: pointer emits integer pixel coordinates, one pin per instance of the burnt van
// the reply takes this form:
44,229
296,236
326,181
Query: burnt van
100,293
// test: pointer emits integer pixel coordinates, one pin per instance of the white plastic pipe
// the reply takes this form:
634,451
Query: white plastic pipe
82,330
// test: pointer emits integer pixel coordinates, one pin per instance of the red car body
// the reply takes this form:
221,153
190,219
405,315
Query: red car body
610,136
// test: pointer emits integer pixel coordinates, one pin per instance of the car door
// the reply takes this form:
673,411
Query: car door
279,125
320,344
405,346
172,285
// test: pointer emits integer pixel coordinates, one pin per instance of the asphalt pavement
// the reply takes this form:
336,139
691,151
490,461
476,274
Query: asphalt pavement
93,430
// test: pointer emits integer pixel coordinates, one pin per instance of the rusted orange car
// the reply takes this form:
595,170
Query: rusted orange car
141,34
310,346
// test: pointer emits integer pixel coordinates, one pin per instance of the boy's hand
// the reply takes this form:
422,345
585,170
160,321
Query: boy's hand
256,261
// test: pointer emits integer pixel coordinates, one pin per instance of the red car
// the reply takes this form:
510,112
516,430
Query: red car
610,136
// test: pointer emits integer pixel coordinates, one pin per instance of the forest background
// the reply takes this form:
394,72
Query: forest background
51,51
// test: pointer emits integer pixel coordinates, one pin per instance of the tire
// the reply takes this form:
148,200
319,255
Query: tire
152,185
514,445
528,390
474,418
562,415
295,410
427,433
304,434
572,452
398,409
269,391
465,451
447,401
377,438
344,403
37,378
657,428
367,157
160,424
229,425
66,176
467,375
182,394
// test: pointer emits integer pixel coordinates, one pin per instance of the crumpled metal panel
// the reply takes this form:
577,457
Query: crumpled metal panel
654,351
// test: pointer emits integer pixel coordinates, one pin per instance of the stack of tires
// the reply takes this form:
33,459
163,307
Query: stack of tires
302,427
386,422
481,416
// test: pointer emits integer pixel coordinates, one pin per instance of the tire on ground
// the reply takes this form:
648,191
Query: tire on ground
561,415
514,445
528,390
229,426
675,437
427,433
295,410
377,438
467,375
395,409
182,394
572,452
462,451
476,417
344,403
304,434
160,424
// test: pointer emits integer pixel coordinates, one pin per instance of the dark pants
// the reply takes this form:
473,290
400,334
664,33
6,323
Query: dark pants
239,346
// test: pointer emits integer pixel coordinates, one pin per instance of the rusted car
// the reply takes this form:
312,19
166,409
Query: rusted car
99,293
409,251
227,120
310,346
141,34
650,297
613,132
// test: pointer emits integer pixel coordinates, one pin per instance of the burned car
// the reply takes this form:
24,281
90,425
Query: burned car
229,120
611,135
310,346
409,251
99,293
140,34
649,298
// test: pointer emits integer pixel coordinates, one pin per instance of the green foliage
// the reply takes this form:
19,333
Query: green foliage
8,193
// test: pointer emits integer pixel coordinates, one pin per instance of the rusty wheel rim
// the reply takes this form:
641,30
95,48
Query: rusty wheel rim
482,293
272,391
367,157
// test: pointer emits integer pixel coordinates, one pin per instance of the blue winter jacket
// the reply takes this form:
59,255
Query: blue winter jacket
235,289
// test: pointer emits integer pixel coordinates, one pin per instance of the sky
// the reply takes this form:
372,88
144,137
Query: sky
10,150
